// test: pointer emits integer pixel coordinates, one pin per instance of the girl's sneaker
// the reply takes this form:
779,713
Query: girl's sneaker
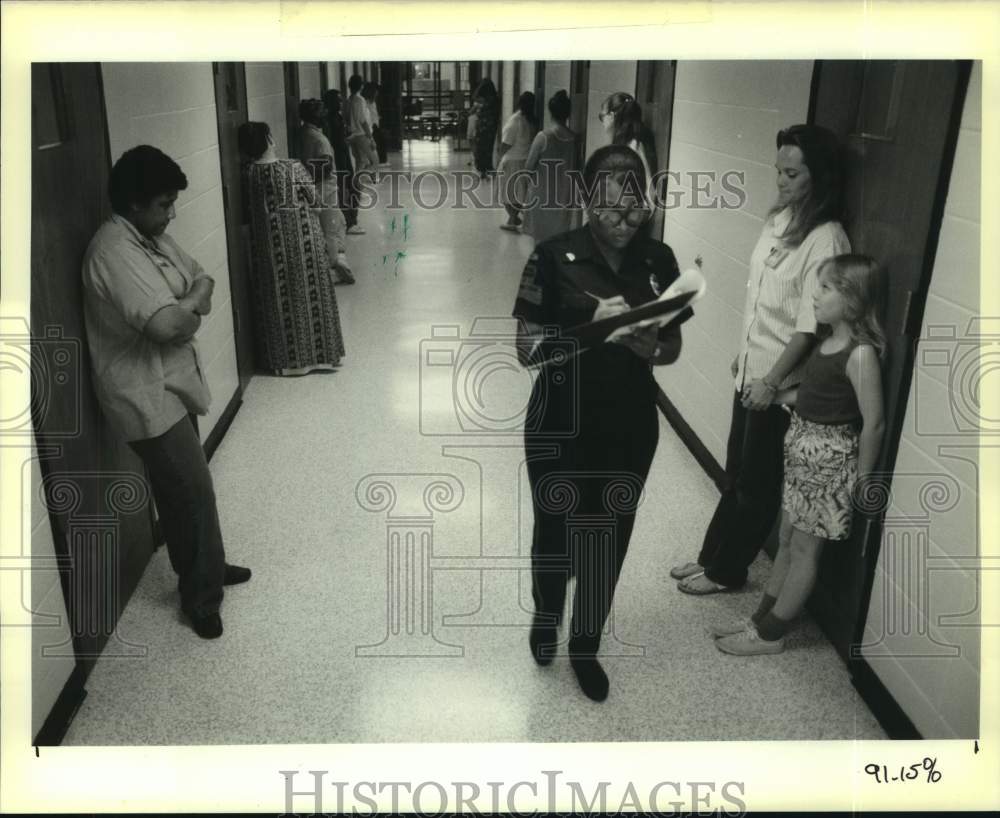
749,643
729,628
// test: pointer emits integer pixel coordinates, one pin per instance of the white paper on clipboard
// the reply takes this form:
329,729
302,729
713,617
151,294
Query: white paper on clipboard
691,280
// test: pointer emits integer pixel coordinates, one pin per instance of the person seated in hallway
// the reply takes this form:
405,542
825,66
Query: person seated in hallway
515,142
317,155
359,130
298,325
801,232
551,157
831,445
598,411
144,299
336,131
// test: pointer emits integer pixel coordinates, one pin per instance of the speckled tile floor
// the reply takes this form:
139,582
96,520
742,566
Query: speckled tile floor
316,475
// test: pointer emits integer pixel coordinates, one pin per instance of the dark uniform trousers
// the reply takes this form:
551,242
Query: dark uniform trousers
751,499
185,499
585,503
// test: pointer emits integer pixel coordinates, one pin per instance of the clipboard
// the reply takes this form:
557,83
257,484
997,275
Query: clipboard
572,341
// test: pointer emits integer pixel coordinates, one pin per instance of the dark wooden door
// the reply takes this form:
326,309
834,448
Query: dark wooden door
579,88
292,109
541,103
390,104
94,484
231,112
899,121
654,90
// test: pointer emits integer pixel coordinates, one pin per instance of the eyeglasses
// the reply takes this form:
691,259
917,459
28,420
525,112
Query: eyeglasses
633,217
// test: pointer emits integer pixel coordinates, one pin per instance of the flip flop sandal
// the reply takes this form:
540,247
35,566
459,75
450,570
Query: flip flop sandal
715,587
687,570
510,227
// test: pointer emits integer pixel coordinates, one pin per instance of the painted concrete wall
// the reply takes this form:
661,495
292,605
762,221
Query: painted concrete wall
923,626
725,116
172,106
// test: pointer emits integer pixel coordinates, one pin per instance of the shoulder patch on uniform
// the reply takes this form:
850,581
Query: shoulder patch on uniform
570,257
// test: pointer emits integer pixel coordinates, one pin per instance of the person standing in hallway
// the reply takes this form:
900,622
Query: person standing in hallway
825,456
597,411
359,131
317,156
486,106
370,92
551,157
144,299
298,326
621,118
801,232
336,132
515,142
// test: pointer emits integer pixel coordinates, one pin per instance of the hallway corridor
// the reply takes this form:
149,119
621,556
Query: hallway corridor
301,481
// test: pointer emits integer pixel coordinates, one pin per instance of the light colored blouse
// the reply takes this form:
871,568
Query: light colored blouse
779,295
517,133
143,387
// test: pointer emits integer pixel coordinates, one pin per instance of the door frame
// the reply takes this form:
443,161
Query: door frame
882,704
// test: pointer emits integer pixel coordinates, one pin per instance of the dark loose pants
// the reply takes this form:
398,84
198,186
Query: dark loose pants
584,504
751,499
185,500
347,191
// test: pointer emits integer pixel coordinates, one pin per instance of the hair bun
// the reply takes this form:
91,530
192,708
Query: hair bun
561,94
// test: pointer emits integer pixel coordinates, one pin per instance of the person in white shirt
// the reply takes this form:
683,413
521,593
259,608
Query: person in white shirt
801,232
515,143
370,92
359,131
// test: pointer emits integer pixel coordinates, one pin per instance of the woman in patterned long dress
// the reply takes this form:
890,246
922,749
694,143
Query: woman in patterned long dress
298,327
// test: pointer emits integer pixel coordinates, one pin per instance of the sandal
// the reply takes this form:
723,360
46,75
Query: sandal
703,588
686,570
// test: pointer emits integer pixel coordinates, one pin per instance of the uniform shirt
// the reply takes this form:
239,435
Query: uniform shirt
357,113
553,292
128,278
780,293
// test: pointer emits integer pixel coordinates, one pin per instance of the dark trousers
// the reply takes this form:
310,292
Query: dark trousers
185,500
751,499
379,136
348,194
584,504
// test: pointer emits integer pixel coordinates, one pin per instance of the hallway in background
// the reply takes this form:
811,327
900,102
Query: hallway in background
346,634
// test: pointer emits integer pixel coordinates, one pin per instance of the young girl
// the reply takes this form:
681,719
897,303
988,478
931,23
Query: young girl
825,454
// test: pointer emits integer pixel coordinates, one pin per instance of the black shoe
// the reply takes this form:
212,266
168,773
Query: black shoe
591,676
543,642
235,575
207,627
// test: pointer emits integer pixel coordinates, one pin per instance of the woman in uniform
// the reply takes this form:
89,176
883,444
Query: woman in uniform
597,410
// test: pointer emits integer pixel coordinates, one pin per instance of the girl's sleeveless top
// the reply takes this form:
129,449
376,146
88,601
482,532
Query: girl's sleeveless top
826,394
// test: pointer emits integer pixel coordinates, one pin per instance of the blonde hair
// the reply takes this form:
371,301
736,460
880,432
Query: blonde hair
862,283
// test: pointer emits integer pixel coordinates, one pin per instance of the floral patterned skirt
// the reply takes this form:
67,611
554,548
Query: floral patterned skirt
821,468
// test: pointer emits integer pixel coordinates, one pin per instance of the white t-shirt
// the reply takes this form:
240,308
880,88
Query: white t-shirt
518,134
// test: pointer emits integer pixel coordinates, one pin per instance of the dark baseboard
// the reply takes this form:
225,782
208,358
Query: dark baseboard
883,706
691,440
225,421
53,731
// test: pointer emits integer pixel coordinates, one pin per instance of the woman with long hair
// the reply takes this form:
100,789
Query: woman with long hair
621,118
515,142
486,103
550,158
802,231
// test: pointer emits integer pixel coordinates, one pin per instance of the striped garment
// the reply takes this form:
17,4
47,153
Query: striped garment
779,295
